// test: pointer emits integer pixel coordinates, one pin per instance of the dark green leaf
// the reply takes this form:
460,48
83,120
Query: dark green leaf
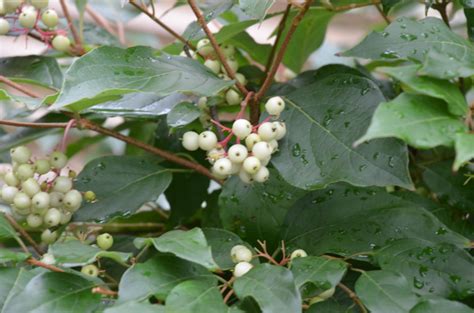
195,296
322,127
469,13
440,306
12,282
256,8
221,242
158,276
272,287
258,52
7,256
6,230
229,31
182,114
33,69
423,122
464,146
122,184
134,306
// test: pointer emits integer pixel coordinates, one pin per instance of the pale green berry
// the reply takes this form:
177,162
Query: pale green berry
233,64
222,167
232,97
240,253
30,187
27,18
57,160
215,154
42,166
25,171
242,268
4,26
39,4
191,141
52,217
262,150
61,43
236,167
280,130
228,50
65,217
204,47
20,154
251,140
105,241
275,105
213,65
9,193
34,220
21,211
11,5
11,180
298,253
241,78
22,201
72,200
251,165
274,144
48,236
245,177
90,270
40,202
56,199
90,196
262,175
62,184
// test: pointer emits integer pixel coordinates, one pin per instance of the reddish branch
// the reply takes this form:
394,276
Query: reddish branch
105,292
23,233
53,268
19,87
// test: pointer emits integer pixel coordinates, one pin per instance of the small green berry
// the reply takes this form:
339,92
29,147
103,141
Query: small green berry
90,270
57,159
90,196
105,241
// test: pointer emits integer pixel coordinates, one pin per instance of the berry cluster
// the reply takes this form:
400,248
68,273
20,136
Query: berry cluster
248,160
33,15
38,193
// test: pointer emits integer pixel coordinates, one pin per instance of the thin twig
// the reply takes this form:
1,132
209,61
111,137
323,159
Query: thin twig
22,245
19,87
70,22
354,6
163,25
100,20
35,262
353,296
279,57
105,292
441,8
228,295
382,13
202,21
23,233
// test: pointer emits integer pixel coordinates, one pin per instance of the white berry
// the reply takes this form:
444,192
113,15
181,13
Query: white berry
105,241
298,253
65,217
48,236
11,180
262,175
56,199
240,253
42,166
4,26
61,43
41,200
25,171
30,187
232,97
275,105
242,268
62,184
72,200
251,140
191,141
22,201
27,18
50,18
34,220
267,131
237,153
207,140
9,193
222,166
233,64
241,78
252,165
280,129
245,177
20,154
52,217
204,47
58,160
241,128
262,150
215,154
213,65
274,144
236,167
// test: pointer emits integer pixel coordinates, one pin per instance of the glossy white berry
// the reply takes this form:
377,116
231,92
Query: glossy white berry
222,166
61,43
34,220
251,140
48,236
27,18
72,200
240,253
4,26
237,153
280,128
204,47
266,161
232,97
251,165
207,140
213,65
42,166
40,202
25,171
62,184
10,179
215,154
105,241
20,154
56,199
50,18
30,187
236,167
48,258
52,217
242,128
57,160
9,193
241,78
275,105
262,150
90,270
191,141
245,177
22,201
217,175
274,144
298,253
262,175
66,217
39,4
242,268
228,50
267,131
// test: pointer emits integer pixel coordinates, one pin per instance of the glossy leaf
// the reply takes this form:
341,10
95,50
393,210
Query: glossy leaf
384,291
272,287
134,306
436,88
106,73
115,178
195,296
256,8
12,282
158,276
6,230
33,69
322,126
7,256
421,121
440,306
182,114
464,146
221,242
189,245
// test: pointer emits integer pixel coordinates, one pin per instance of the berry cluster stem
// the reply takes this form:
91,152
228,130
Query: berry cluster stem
23,233
75,33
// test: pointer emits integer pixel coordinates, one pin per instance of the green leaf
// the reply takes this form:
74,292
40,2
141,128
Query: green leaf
189,245
272,287
331,306
33,69
134,306
258,52
444,54
6,230
12,282
434,269
422,122
322,127
114,10
75,253
256,8
221,242
195,296
106,73
53,292
434,87
348,220
440,306
7,256
231,30
469,13
464,146
319,272
245,209
182,114
384,291
158,276
307,38
122,184
449,187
